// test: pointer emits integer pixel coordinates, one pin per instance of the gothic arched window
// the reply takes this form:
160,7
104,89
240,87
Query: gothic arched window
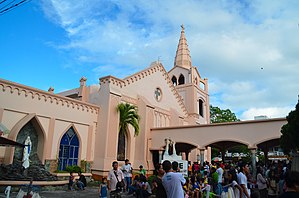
174,81
181,79
69,149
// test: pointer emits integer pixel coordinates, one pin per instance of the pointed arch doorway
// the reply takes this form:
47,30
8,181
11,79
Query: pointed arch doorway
31,129
27,126
68,149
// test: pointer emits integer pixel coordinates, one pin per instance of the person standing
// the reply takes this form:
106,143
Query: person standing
232,179
115,176
242,179
214,179
292,184
195,167
127,171
220,175
273,187
158,187
261,182
172,182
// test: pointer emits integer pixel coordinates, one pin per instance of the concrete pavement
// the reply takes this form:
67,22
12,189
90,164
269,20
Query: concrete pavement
89,192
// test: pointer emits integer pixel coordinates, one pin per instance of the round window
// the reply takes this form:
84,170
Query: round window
158,94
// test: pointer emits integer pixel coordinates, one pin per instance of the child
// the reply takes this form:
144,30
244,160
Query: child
71,181
195,186
103,189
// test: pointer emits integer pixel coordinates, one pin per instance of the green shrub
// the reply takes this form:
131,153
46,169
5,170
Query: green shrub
74,169
83,165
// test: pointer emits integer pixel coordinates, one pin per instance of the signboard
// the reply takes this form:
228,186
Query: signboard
183,166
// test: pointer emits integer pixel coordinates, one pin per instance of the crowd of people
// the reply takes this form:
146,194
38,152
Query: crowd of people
234,180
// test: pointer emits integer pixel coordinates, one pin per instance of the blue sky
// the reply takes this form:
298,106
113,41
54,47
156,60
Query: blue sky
247,49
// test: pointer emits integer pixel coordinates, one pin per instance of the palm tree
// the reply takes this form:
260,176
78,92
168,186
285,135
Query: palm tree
127,116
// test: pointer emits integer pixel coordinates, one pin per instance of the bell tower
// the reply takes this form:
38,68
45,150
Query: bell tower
189,84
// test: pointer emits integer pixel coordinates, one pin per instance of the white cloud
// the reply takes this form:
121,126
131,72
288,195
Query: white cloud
247,49
270,112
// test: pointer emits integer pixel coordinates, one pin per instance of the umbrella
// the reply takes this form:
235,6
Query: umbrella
3,129
216,159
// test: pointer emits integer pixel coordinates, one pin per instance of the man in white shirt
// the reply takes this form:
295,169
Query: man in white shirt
242,179
114,176
220,174
172,182
127,170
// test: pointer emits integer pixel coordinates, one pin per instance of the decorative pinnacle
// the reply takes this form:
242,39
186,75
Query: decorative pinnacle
183,28
83,81
51,89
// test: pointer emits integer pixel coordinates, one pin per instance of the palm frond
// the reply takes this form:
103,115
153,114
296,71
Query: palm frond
128,115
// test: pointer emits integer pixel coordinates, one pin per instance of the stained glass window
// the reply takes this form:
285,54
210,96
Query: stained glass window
69,149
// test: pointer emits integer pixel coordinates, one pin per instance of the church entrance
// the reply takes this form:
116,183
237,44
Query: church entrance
69,149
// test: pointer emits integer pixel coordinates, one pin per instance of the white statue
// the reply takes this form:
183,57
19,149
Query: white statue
7,191
173,148
167,141
26,152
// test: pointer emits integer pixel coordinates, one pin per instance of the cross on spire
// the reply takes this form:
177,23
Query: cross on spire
182,57
183,28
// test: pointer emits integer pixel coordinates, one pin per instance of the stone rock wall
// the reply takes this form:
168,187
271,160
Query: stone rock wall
17,172
51,165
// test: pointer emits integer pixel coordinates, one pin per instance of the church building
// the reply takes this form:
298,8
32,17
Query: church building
82,124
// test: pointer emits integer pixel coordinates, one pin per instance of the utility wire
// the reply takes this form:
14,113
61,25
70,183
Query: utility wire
3,11
5,6
5,3
2,1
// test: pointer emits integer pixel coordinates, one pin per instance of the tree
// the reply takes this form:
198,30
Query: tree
218,115
289,140
127,116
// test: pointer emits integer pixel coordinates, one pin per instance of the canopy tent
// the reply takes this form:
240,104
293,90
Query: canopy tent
8,142
217,159
4,141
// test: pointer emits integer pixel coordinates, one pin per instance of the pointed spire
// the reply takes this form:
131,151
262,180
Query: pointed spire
182,57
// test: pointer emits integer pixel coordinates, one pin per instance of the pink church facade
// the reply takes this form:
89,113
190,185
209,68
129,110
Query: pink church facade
82,124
